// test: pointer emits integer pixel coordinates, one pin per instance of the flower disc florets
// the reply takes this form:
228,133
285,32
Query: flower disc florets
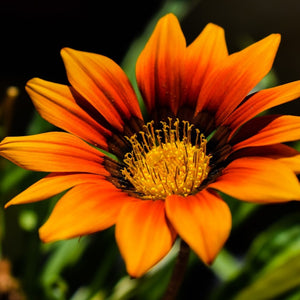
166,161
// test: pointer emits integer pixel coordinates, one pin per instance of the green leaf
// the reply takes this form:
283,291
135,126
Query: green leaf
271,252
65,253
275,283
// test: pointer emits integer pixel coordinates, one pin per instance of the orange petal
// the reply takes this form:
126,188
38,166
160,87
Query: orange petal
202,56
103,83
203,221
159,65
56,103
268,130
85,209
261,101
258,179
228,85
293,162
51,185
143,235
53,152
283,153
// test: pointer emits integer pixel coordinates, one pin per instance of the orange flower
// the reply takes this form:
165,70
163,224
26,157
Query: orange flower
199,138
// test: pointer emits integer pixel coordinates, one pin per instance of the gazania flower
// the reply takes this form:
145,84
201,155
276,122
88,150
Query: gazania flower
166,170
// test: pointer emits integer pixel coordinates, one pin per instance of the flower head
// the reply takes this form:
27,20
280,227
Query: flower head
166,171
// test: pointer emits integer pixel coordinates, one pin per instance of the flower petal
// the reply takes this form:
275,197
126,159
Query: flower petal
283,153
103,83
261,101
143,235
267,130
258,179
225,88
51,185
53,152
202,220
85,209
202,56
159,65
56,104
293,162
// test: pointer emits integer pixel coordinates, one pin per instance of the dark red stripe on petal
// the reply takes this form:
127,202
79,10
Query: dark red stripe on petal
103,84
158,67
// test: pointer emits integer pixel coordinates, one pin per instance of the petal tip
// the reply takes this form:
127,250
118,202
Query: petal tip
8,204
45,235
169,16
66,51
214,27
33,83
275,39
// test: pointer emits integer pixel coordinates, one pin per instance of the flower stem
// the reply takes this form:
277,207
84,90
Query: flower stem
178,272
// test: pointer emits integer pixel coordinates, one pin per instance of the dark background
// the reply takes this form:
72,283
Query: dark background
33,32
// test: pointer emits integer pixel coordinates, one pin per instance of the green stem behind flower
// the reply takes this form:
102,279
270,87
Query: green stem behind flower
178,272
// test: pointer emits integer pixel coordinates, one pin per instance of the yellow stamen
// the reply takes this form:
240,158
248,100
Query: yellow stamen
163,163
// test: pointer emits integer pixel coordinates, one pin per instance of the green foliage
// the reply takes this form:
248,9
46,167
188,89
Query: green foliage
271,266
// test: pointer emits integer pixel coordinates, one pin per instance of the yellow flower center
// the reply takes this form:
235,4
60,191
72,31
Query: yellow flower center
165,161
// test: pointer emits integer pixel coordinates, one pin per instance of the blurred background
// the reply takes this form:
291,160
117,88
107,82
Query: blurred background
261,259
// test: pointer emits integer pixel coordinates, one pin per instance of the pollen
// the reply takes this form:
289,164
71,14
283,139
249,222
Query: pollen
167,161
